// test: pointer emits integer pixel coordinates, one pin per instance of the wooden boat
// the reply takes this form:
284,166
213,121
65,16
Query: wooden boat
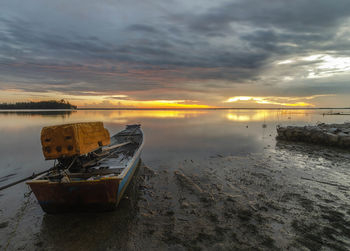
96,181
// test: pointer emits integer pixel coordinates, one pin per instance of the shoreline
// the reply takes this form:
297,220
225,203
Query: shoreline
171,109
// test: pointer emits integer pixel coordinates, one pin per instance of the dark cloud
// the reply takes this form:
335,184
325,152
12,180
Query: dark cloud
168,45
298,15
142,28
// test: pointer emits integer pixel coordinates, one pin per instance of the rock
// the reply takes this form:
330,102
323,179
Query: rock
347,131
331,138
185,204
341,134
323,134
332,130
4,224
317,137
345,141
289,133
307,133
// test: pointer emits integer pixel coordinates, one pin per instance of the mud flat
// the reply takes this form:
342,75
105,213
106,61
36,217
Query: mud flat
323,134
293,196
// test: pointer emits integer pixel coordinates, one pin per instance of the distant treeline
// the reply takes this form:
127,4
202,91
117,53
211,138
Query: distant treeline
51,104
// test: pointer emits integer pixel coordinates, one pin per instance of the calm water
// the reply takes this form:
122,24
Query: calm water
170,136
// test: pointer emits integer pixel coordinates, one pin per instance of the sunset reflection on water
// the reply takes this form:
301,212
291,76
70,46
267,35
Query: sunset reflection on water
14,120
170,135
251,116
269,115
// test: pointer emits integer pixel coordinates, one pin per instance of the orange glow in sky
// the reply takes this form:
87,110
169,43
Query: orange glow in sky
94,100
125,100
282,101
162,104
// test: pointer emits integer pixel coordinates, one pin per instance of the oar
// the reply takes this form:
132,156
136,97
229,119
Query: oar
115,146
105,153
24,179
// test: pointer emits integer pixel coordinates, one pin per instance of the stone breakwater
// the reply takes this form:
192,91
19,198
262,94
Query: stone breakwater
322,134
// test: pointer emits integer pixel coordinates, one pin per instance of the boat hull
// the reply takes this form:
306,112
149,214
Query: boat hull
85,196
102,194
76,196
127,178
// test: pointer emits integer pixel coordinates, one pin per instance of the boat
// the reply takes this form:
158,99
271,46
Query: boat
91,182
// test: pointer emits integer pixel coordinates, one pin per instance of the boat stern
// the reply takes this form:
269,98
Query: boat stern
94,195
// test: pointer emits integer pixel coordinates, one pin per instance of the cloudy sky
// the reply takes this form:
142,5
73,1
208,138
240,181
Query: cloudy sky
176,53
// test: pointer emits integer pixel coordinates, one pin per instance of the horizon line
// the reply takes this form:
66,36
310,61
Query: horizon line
212,108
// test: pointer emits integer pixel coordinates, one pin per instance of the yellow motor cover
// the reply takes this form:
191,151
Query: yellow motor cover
68,140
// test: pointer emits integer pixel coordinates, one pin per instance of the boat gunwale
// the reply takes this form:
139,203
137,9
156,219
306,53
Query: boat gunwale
135,156
72,181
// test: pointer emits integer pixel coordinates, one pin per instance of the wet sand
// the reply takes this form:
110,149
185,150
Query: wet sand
290,197
295,197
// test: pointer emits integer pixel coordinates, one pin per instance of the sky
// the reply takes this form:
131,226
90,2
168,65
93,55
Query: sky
176,53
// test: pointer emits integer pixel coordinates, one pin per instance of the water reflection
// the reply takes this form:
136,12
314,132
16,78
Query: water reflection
14,119
257,115
269,115
30,113
170,136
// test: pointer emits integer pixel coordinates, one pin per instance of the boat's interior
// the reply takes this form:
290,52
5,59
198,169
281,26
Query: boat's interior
104,162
